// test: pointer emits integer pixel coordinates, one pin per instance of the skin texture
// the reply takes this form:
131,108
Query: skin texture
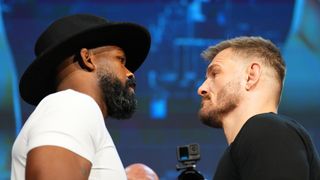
83,76
220,89
140,171
231,89
52,162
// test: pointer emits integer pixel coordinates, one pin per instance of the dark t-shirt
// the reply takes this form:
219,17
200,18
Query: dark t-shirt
270,147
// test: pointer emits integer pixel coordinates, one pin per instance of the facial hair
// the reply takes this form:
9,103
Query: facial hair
121,102
227,99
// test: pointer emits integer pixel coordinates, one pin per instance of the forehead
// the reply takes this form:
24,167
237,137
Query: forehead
225,58
109,49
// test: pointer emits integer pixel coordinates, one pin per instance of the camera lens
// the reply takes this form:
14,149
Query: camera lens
194,149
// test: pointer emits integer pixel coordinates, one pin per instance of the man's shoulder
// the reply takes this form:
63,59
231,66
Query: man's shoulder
269,127
67,97
269,141
69,103
270,123
69,94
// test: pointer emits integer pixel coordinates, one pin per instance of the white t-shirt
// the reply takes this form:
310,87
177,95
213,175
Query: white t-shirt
71,120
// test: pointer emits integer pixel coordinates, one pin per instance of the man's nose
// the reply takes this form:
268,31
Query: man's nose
202,89
129,74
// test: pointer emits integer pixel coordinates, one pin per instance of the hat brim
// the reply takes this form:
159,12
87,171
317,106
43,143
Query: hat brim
38,80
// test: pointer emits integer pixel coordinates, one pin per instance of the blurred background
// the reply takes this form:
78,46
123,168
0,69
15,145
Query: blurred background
169,78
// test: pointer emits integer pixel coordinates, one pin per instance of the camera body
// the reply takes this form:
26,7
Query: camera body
187,156
188,153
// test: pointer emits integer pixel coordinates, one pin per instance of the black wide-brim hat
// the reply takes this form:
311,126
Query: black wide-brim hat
68,35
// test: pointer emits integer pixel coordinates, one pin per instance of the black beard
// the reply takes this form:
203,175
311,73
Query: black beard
121,103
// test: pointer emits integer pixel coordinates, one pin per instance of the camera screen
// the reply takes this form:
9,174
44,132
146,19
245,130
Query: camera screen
184,153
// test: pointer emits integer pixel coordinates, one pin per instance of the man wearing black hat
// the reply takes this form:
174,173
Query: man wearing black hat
83,73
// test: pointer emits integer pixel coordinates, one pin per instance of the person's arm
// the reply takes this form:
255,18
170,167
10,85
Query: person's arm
53,162
62,138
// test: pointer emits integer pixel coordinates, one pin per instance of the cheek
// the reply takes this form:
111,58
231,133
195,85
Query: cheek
122,74
119,71
220,82
213,88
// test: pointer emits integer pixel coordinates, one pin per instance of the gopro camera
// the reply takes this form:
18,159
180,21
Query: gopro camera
188,153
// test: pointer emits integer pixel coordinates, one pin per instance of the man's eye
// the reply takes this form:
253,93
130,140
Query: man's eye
122,60
213,74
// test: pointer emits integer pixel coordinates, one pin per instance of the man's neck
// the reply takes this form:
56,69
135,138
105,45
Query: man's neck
85,84
234,121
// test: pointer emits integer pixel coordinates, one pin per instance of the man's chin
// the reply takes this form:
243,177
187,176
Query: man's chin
209,119
123,110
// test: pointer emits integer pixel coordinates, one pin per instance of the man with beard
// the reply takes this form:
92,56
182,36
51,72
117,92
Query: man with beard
241,95
82,74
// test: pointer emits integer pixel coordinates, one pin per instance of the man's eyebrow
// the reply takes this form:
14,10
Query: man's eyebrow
212,68
122,57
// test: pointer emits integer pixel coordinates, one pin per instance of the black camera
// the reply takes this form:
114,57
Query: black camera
188,155
189,152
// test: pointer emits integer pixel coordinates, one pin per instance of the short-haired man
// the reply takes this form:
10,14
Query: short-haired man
241,95
82,74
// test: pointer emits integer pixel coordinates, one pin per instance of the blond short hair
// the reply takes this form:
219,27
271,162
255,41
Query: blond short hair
252,47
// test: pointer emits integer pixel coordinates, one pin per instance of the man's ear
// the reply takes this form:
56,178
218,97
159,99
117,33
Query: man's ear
86,61
253,76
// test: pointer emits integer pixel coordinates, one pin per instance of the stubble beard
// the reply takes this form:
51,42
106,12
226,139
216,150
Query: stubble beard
227,99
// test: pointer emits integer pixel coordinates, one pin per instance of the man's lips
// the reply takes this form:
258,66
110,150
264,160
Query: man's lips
204,101
133,87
